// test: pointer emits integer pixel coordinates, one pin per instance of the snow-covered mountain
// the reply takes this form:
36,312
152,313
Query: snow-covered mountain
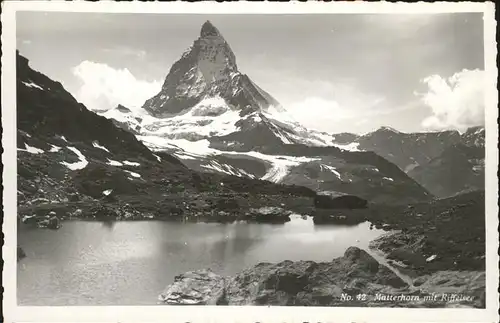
72,162
216,119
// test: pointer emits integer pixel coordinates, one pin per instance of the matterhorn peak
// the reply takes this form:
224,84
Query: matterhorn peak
209,30
205,71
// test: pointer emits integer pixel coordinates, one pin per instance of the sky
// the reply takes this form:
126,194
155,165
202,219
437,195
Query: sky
332,72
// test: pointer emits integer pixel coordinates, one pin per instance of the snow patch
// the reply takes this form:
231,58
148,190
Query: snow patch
331,169
82,163
280,164
129,163
96,144
431,258
183,156
353,146
136,175
389,129
32,150
107,192
33,85
157,157
278,133
227,169
54,148
388,179
196,148
114,162
477,168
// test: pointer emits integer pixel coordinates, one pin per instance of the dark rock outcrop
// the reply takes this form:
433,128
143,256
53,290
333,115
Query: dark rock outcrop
302,283
356,279
51,222
331,201
201,287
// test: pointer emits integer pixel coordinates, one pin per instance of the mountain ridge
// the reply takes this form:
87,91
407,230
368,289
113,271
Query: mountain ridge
216,119
428,156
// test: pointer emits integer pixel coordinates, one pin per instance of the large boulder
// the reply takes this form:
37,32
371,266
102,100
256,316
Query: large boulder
50,222
201,287
327,200
300,283
269,284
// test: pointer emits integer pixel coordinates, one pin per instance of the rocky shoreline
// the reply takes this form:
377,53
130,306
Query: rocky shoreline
354,280
436,247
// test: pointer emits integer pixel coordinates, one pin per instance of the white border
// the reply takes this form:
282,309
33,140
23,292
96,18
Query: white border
240,314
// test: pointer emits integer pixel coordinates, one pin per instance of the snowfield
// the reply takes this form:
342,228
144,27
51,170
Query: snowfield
212,116
184,135
331,169
279,164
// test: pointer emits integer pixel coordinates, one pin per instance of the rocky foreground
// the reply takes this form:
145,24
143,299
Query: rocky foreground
433,255
356,279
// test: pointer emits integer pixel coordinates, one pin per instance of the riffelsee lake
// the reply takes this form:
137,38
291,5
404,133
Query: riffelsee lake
130,263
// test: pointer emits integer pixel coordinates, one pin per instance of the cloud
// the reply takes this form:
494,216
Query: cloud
140,54
456,102
104,87
317,112
326,115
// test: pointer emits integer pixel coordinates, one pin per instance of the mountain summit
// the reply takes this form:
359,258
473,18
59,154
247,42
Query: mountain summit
207,70
215,119
209,30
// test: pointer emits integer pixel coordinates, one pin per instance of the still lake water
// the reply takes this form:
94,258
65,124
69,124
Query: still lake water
130,263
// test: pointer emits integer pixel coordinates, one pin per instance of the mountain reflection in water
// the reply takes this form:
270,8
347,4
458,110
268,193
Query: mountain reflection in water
93,263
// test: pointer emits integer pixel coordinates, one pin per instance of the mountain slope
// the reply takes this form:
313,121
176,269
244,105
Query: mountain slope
215,119
459,168
74,162
444,162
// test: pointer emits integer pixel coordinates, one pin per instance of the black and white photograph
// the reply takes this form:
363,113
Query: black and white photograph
253,160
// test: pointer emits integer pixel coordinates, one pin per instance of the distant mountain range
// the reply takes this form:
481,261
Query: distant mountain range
444,162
